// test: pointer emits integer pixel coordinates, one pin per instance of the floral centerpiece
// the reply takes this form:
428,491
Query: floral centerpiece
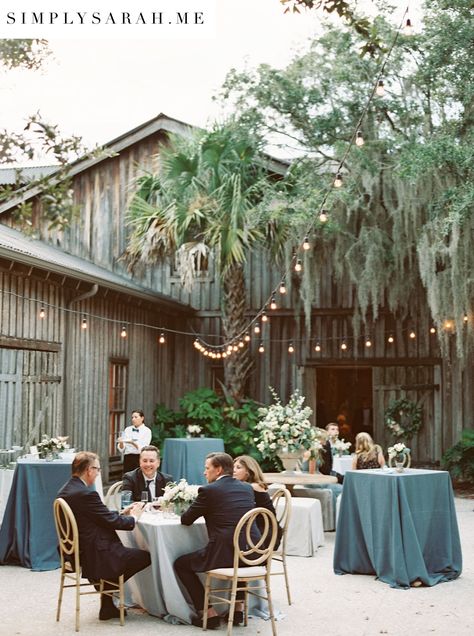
403,418
50,447
179,495
193,430
285,429
400,454
340,447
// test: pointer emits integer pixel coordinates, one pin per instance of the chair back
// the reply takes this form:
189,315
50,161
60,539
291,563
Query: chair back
68,534
283,512
256,551
112,492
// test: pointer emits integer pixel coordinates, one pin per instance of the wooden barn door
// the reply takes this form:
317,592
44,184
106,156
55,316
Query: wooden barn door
11,364
419,384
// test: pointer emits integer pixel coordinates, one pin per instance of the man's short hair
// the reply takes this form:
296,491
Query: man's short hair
223,460
331,424
150,448
82,461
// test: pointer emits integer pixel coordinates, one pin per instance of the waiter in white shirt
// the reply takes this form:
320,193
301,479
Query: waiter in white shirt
134,438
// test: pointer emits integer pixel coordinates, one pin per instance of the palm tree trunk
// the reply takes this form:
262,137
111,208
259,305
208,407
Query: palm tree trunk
238,365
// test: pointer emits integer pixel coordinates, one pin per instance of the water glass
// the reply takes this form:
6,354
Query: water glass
144,496
125,499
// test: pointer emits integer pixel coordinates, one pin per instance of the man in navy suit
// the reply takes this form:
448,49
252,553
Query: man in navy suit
102,554
222,503
147,477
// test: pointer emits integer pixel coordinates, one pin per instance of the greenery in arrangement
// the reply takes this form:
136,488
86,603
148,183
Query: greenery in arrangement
216,415
459,459
398,452
51,446
403,418
285,427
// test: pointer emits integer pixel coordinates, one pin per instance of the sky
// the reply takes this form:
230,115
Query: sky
99,89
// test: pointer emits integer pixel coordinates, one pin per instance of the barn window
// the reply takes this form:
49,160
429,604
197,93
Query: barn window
118,378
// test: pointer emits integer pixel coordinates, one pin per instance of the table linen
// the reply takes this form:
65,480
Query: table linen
184,458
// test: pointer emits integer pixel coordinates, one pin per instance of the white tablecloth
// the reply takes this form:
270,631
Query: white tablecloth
342,464
6,478
305,531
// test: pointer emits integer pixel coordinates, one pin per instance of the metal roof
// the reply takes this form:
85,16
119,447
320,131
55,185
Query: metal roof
17,247
10,176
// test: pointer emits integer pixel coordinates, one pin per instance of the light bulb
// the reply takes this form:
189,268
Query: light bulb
323,216
241,344
317,347
298,265
432,330
84,323
448,324
247,337
123,332
235,348
42,312
261,348
465,318
218,355
338,180
306,244
224,354
264,316
368,342
359,139
390,339
408,28
161,339
380,90
273,304
344,345
282,289
256,329
412,334
205,352
291,348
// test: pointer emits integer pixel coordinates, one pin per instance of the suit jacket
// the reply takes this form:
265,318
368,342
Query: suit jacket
326,456
135,481
222,503
101,551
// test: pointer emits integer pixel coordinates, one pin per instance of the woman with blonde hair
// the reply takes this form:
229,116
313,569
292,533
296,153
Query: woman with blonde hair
367,454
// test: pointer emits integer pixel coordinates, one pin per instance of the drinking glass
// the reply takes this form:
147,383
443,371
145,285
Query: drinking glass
125,498
144,497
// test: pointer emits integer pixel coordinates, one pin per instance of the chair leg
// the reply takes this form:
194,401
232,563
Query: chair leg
60,597
246,605
270,606
78,600
121,601
207,589
285,572
233,596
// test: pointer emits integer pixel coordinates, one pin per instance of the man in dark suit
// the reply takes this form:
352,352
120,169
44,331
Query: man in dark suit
102,554
147,477
222,503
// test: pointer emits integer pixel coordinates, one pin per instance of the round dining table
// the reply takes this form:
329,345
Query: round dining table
291,479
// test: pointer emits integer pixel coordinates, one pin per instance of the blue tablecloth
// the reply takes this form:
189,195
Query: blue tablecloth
28,535
399,526
184,458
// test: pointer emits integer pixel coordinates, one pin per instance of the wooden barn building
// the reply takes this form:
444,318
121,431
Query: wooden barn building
67,300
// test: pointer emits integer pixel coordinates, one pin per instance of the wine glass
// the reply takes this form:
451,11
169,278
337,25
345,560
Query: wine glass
144,496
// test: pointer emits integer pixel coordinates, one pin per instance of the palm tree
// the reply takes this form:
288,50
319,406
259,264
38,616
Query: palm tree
207,201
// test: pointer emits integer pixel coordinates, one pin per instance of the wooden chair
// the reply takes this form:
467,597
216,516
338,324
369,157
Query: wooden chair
68,537
110,497
283,517
257,556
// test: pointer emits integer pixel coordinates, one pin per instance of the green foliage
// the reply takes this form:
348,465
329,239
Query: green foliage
29,54
403,419
459,459
218,416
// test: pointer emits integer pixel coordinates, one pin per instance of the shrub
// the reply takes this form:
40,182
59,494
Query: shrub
459,459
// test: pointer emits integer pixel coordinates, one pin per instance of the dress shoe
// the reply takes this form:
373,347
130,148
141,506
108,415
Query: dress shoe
110,611
238,617
212,622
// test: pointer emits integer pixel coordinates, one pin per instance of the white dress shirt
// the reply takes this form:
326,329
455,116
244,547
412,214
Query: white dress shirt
141,435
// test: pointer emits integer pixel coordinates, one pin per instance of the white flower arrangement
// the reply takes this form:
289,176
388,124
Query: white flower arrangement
51,446
340,447
285,428
193,430
398,450
179,493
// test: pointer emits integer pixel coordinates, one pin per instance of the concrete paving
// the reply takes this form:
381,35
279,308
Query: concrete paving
350,605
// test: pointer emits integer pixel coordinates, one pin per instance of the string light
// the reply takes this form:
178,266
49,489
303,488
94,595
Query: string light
247,337
359,140
264,316
448,324
241,344
317,346
391,339
298,265
282,289
338,180
465,318
432,329
273,304
84,323
323,216
123,332
412,334
344,345
408,28
306,244
261,348
162,339
291,348
380,90
42,313
368,342
256,328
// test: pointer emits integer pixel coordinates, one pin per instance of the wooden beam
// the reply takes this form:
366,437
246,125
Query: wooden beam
31,345
373,362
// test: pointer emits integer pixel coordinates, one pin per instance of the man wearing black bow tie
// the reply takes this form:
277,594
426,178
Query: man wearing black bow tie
147,477
134,438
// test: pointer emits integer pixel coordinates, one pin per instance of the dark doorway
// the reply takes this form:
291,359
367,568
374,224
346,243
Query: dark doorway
345,394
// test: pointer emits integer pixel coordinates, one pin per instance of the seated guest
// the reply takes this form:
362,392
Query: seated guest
326,461
367,454
102,554
222,503
246,468
147,476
